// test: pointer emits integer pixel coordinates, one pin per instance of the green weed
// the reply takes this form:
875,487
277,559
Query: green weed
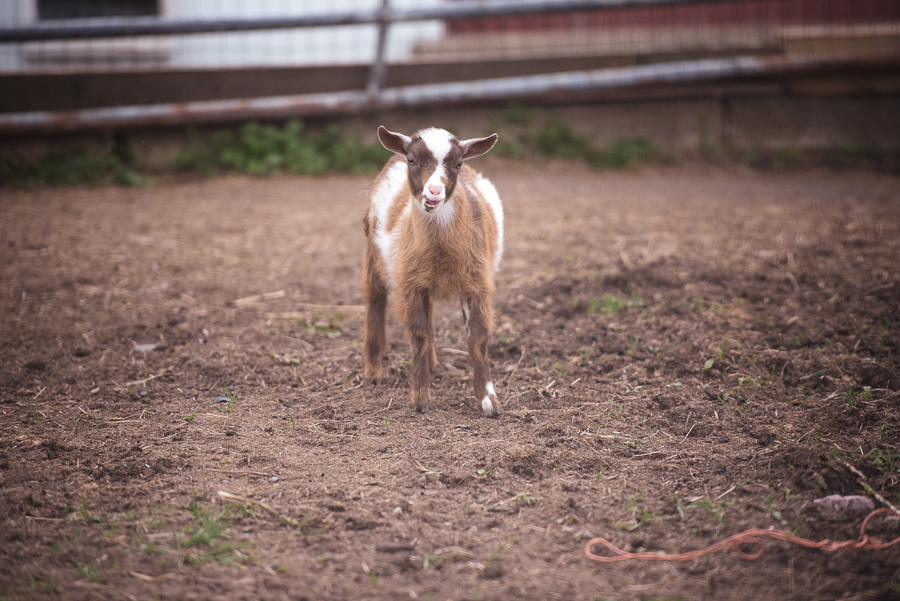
715,507
585,356
232,399
36,583
90,570
560,370
286,359
205,536
557,140
881,458
632,349
852,397
623,153
638,518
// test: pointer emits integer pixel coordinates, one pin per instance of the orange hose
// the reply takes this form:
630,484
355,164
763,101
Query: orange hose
748,537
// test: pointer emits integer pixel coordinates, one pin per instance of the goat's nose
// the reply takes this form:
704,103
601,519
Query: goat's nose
434,189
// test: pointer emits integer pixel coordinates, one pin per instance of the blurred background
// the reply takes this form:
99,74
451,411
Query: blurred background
684,76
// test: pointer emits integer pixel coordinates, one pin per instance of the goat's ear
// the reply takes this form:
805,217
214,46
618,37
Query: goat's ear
476,147
393,141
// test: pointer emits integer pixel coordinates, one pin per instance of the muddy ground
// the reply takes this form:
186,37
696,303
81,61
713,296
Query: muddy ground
682,353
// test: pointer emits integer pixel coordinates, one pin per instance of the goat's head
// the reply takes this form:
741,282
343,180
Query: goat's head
434,158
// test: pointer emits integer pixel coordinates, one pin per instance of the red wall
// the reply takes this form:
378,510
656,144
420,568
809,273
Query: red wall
785,12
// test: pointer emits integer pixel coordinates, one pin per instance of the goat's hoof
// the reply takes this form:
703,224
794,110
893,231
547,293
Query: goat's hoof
490,406
420,399
373,373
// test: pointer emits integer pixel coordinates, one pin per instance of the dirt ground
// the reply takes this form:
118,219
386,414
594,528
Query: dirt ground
682,354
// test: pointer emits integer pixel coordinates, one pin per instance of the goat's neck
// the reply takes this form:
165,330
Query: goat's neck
444,222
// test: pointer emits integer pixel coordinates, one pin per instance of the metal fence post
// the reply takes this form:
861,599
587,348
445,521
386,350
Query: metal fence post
376,74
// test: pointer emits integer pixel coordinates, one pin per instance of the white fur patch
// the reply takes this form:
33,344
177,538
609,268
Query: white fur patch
490,389
443,214
487,407
393,184
489,192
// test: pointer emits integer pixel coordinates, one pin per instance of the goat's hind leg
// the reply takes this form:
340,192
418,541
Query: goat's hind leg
375,341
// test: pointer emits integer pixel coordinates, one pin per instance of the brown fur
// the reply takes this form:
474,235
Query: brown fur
434,261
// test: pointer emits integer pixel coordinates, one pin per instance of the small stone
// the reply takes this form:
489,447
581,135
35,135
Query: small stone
273,479
144,348
853,502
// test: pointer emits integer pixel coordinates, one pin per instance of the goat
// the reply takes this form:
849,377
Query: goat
434,230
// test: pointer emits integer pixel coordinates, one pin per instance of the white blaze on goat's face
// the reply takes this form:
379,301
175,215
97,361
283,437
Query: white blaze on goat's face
439,142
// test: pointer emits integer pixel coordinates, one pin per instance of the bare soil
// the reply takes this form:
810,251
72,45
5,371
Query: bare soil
682,354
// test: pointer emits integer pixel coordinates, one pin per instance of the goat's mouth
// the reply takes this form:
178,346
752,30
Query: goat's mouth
430,204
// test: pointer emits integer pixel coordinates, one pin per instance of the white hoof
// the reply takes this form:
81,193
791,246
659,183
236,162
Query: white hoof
490,406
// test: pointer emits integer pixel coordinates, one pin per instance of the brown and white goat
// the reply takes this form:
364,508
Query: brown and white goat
435,231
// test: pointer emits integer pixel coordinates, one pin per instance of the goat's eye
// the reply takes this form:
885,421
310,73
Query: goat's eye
459,165
411,162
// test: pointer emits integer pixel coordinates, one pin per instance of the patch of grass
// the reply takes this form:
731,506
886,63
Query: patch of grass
623,153
206,537
84,512
71,167
556,139
639,516
516,113
613,304
259,149
321,324
772,513
36,583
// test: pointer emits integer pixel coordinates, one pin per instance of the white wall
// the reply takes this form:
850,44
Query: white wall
309,46
320,45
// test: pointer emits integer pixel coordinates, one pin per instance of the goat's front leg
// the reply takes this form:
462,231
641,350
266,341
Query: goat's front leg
418,316
479,316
